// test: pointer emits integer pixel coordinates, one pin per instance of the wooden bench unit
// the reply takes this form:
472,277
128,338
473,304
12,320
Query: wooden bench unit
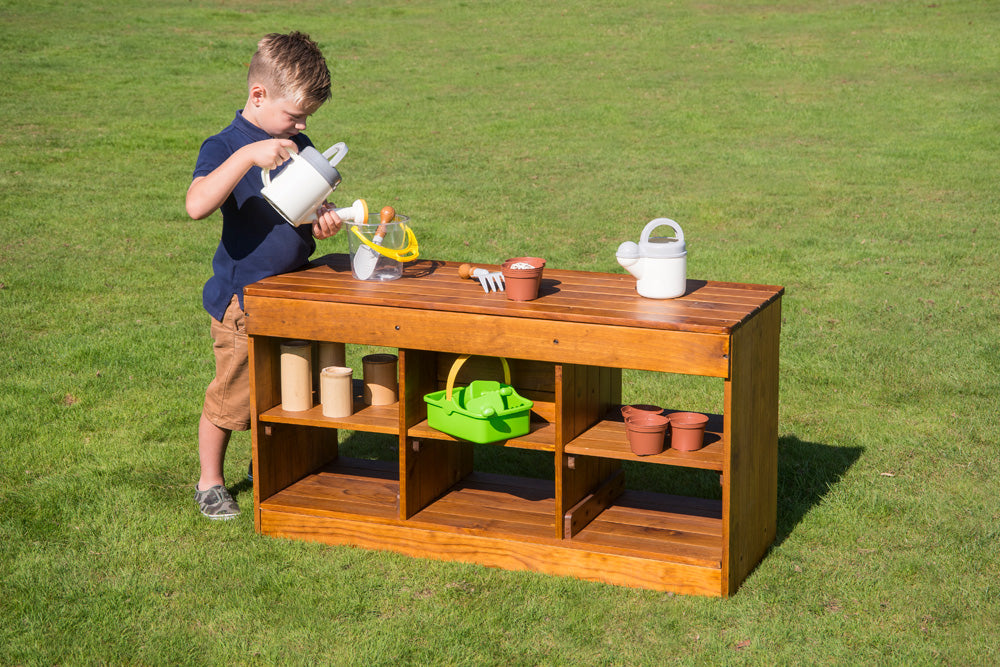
566,351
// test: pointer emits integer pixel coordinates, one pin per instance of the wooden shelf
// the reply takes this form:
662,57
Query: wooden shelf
496,505
541,437
671,528
608,439
372,418
347,488
639,525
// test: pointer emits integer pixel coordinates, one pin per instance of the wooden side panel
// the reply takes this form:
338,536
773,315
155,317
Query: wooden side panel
428,467
282,454
585,511
583,396
431,468
751,426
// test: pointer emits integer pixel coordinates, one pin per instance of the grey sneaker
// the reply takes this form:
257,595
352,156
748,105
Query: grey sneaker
216,503
250,472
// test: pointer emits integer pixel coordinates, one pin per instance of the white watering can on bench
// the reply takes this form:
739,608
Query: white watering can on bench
659,263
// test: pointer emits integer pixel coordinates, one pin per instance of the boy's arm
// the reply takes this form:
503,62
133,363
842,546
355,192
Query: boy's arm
207,193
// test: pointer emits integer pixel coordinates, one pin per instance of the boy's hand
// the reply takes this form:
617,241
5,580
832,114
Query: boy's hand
271,153
327,222
207,193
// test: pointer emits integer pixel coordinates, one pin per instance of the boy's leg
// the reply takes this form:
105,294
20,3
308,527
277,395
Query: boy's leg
227,408
212,443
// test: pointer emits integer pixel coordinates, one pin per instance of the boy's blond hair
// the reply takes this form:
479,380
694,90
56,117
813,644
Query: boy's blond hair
291,66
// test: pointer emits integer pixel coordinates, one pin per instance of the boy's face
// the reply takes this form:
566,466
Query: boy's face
279,117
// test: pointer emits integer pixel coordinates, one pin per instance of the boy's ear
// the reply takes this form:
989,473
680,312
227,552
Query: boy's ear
258,93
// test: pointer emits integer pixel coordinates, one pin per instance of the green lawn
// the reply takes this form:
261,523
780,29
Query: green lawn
847,150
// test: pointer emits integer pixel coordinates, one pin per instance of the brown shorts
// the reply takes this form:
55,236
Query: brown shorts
227,399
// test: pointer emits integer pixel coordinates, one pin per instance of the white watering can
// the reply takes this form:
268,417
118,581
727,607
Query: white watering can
659,263
304,185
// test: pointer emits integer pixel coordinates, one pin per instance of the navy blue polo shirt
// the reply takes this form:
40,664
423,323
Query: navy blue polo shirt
256,241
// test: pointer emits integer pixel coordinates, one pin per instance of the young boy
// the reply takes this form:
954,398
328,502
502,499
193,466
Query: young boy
288,81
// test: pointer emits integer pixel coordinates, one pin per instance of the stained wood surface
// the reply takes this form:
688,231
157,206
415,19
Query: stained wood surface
563,557
647,540
751,413
575,296
608,439
567,349
371,418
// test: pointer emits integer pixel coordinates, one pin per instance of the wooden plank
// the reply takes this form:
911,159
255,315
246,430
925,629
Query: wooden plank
372,418
520,508
556,557
608,439
751,424
575,296
539,438
624,512
349,487
675,545
581,514
299,502
688,352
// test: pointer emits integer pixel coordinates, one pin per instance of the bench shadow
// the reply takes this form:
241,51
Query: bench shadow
807,471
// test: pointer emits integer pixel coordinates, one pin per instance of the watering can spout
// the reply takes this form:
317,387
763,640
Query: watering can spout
628,257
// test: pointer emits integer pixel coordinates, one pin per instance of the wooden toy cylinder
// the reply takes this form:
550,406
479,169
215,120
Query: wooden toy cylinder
335,391
381,386
296,375
327,355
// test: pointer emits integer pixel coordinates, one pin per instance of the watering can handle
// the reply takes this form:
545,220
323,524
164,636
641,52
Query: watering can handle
265,174
458,364
653,224
335,153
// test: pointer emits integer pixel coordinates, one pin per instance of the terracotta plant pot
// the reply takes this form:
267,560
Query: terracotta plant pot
646,433
687,431
629,410
521,284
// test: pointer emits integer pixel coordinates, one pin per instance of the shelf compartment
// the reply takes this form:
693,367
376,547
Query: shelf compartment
347,487
651,525
494,505
369,418
607,439
541,437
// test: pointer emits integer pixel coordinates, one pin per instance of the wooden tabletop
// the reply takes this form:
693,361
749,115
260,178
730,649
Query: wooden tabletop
566,296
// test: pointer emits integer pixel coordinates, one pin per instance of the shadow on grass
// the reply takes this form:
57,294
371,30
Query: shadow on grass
806,473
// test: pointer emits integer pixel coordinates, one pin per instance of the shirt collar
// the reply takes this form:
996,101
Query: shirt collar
248,128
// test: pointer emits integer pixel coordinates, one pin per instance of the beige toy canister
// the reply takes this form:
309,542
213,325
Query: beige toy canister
381,386
296,375
335,391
